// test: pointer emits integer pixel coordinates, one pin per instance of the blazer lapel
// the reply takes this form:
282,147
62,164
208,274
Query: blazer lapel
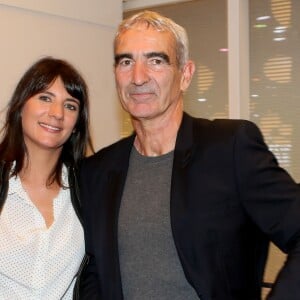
116,177
183,154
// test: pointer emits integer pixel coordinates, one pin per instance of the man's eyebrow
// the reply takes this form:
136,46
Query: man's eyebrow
118,57
162,55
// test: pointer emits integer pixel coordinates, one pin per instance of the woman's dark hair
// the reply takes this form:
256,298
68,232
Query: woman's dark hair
36,79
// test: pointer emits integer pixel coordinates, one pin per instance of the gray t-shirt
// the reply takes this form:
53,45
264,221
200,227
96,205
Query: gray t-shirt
150,266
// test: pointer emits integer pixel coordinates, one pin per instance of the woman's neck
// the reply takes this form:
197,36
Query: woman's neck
37,167
35,180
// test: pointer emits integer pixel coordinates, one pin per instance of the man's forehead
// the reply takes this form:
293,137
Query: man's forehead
138,38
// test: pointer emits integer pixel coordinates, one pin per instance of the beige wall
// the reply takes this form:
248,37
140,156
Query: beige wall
76,30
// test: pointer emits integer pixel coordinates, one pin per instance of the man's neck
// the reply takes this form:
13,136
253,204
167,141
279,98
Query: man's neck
157,138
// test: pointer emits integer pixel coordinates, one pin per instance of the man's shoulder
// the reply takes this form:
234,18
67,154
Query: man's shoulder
218,129
220,124
111,152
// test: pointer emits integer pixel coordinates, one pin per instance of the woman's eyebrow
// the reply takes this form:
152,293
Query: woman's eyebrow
68,98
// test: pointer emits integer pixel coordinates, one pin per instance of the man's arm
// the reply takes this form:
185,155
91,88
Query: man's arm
287,284
272,199
88,286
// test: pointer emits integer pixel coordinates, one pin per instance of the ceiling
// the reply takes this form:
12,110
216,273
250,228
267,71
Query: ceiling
139,4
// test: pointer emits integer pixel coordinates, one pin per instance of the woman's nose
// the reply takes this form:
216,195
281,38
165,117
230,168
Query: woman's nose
56,111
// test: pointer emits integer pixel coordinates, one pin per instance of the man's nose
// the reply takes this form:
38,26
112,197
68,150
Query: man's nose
140,73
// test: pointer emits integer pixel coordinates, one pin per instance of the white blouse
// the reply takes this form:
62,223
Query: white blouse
37,262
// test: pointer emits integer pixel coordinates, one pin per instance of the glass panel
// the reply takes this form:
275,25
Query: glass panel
275,77
205,22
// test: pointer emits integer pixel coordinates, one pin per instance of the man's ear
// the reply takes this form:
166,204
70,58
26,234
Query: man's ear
187,74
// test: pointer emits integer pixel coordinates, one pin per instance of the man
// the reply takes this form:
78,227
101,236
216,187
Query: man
184,208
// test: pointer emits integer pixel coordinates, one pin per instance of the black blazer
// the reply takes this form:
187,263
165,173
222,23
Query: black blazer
229,197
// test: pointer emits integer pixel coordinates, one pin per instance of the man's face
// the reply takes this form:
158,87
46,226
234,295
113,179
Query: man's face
148,79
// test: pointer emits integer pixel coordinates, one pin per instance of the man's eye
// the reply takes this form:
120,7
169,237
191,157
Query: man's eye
156,61
125,62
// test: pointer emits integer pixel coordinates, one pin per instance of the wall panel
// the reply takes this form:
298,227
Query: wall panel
80,33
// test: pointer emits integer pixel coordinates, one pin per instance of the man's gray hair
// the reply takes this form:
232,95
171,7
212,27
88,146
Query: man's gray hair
160,23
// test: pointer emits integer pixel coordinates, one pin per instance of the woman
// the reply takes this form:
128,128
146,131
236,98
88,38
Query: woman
44,137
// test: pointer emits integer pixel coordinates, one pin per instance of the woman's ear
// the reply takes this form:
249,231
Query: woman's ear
187,74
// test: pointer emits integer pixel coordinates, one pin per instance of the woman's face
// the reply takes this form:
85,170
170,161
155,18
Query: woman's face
49,118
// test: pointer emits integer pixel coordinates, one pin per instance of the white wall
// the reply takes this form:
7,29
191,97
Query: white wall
78,31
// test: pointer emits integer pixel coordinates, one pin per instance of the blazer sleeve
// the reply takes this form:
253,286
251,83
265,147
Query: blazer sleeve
89,286
272,199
